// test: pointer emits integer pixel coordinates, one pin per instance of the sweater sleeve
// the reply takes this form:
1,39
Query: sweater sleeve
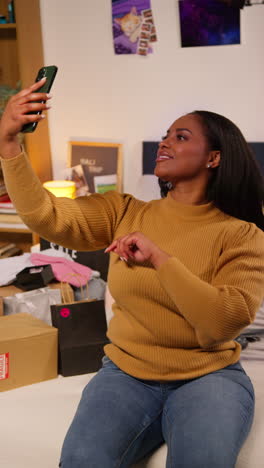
85,223
220,310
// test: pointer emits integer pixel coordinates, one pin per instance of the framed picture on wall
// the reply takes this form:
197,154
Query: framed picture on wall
101,164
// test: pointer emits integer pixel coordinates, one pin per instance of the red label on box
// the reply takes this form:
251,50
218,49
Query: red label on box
4,366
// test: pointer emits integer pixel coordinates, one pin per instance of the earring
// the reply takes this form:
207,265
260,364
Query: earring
208,165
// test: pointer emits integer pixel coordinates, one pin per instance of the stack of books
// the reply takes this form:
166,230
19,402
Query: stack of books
9,219
9,250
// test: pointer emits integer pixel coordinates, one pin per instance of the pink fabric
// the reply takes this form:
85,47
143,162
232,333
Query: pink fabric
63,269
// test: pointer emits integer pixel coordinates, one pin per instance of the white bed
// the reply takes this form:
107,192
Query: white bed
35,418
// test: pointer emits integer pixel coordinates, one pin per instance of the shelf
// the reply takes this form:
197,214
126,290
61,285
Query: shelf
21,56
15,229
22,238
7,25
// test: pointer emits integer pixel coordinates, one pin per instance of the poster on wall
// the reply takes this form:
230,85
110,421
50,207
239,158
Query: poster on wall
208,23
95,166
133,27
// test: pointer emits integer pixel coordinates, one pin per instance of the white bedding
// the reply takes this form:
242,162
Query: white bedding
35,418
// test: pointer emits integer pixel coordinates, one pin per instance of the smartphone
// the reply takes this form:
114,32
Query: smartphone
50,73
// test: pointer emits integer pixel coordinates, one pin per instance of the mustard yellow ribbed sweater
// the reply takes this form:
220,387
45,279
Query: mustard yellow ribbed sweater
176,322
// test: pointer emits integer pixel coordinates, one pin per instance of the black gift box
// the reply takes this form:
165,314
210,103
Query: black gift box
81,336
34,277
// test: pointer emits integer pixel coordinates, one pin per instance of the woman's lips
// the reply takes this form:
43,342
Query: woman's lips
163,157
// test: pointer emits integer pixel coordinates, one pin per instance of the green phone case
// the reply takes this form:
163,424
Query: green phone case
50,73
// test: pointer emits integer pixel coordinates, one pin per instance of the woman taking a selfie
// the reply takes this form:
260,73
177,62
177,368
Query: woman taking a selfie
186,275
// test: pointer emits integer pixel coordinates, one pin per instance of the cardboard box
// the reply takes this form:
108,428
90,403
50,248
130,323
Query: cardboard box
28,351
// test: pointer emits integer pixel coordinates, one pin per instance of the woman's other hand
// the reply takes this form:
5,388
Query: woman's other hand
136,246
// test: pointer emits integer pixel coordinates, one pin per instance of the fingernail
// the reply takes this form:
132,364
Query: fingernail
48,107
49,96
43,116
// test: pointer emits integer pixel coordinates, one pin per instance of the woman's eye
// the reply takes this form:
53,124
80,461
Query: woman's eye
181,137
164,137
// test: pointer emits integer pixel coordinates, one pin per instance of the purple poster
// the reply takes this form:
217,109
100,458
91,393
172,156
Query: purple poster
209,22
133,27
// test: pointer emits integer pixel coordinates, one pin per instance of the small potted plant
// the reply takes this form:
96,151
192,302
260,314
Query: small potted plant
6,92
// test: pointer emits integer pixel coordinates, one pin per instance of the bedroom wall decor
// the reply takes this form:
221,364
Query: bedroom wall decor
133,27
209,23
99,164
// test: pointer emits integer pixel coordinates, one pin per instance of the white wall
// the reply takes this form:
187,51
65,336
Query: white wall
100,96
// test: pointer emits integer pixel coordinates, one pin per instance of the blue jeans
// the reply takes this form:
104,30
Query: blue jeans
120,419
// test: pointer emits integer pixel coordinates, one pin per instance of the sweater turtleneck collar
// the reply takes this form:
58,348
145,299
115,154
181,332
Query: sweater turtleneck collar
191,212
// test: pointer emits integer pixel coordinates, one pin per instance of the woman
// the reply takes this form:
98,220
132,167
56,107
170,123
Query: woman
186,273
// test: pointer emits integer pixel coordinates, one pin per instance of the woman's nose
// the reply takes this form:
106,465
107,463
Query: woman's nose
164,143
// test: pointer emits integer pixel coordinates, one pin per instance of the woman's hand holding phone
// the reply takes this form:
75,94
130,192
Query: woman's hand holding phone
16,115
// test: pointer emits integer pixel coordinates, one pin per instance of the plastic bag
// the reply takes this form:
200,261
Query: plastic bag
36,303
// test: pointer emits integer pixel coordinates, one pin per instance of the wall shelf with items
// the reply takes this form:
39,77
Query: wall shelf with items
21,56
21,52
8,26
22,238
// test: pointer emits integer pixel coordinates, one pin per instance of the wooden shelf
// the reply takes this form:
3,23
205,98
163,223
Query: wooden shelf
15,229
21,56
24,239
7,25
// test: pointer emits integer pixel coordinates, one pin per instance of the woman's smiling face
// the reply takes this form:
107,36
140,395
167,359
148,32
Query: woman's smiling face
183,153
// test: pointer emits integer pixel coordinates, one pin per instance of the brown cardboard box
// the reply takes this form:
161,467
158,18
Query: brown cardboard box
28,351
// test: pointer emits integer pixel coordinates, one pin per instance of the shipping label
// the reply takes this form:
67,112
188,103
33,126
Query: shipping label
4,366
